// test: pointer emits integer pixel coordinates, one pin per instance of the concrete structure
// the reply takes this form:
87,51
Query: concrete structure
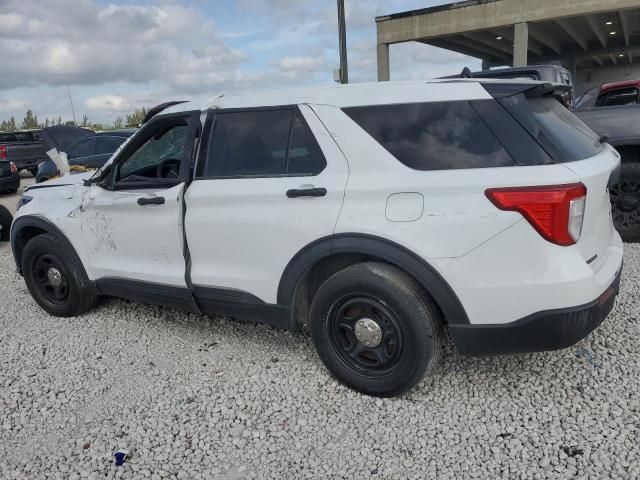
592,38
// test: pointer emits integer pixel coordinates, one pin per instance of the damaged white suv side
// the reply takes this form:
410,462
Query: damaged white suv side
376,214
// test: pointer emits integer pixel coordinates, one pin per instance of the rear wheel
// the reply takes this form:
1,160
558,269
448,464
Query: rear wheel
625,202
374,329
55,277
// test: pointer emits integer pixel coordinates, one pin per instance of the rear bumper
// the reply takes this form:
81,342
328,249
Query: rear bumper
547,330
10,183
27,163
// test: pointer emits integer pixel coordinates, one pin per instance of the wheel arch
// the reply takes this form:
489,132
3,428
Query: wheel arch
320,259
27,227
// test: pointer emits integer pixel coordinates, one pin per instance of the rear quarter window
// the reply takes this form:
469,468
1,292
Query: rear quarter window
563,135
434,135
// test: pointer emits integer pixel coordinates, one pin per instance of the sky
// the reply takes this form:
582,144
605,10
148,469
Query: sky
116,56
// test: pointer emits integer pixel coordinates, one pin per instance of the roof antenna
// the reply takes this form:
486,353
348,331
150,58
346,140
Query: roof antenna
466,73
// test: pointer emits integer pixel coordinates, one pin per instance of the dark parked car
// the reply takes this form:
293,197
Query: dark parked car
9,177
90,151
5,223
613,109
24,149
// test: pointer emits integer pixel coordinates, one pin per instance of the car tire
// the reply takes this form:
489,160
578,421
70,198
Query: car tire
625,202
5,222
56,278
389,356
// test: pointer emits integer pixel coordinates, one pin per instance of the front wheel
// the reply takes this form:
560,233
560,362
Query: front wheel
625,202
374,329
56,278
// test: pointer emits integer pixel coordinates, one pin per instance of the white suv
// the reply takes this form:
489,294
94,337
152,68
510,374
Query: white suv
377,214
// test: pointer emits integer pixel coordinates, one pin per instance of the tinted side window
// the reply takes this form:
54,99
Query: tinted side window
305,156
82,148
251,143
563,135
106,145
433,136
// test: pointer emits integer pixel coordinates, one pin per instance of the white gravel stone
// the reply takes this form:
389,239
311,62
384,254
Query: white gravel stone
196,397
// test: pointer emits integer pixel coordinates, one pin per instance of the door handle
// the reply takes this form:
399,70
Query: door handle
306,192
151,201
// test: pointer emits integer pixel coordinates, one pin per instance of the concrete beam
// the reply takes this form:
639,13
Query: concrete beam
597,29
481,49
384,71
613,58
484,16
602,52
598,60
542,35
573,31
520,44
489,39
507,34
470,52
624,24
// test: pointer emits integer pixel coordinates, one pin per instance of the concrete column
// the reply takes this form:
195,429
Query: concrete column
383,62
570,64
520,44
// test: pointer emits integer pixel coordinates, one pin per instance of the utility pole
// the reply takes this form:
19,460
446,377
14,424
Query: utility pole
73,112
342,32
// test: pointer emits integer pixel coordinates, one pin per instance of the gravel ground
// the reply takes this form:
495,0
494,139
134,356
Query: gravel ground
198,397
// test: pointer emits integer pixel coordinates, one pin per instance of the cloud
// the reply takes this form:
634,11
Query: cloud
82,42
122,54
108,102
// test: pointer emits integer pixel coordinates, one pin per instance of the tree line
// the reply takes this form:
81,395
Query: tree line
31,121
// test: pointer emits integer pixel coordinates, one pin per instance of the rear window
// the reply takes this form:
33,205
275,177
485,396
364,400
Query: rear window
8,137
563,135
434,135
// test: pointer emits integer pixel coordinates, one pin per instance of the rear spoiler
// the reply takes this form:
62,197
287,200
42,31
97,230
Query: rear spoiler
503,90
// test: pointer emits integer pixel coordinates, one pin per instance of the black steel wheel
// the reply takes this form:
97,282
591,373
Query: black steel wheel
51,281
375,329
366,334
55,277
625,202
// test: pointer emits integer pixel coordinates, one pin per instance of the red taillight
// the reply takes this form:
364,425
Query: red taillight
13,167
3,152
556,212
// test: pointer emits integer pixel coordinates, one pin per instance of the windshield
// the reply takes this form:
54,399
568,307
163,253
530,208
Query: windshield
588,99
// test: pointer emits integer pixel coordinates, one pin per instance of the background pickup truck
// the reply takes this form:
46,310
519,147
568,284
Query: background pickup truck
613,109
25,151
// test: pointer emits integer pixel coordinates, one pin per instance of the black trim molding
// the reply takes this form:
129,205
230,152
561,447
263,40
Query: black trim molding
546,330
40,223
147,292
383,249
